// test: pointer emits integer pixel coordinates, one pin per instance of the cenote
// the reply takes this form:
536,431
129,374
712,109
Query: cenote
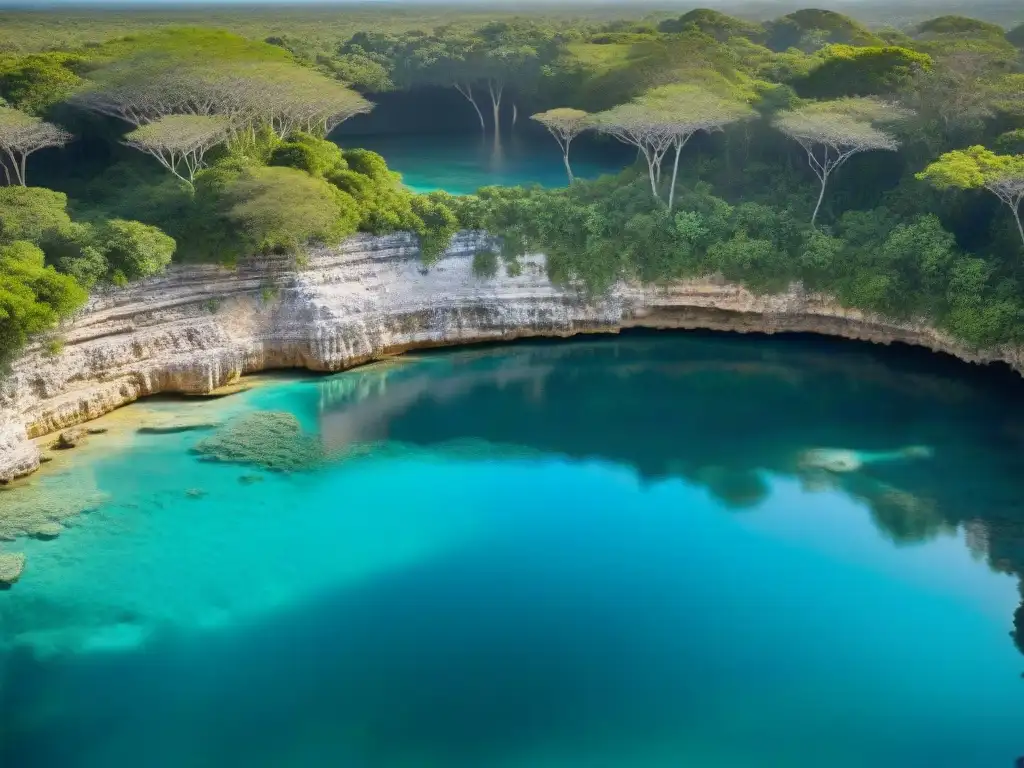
647,550
461,164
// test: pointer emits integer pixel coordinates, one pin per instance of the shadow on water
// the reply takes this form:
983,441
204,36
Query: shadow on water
396,671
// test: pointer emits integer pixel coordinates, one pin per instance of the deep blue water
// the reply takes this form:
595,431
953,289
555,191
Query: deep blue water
461,164
609,553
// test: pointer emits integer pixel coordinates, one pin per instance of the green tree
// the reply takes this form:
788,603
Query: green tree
30,213
833,132
136,250
280,210
22,134
959,25
208,73
564,124
715,24
33,297
315,156
981,168
75,249
824,26
38,81
846,70
180,142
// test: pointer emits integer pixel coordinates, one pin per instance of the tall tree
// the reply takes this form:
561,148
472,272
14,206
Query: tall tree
564,124
832,132
179,142
666,118
641,126
20,136
449,59
514,53
249,84
687,109
980,168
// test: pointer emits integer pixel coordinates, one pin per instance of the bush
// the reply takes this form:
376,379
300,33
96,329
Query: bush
279,210
485,264
33,297
31,213
134,249
315,156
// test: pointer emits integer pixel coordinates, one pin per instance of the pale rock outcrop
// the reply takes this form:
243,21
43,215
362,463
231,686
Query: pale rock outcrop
195,329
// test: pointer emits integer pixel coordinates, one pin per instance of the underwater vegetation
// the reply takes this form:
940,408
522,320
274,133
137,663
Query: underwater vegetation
270,439
40,510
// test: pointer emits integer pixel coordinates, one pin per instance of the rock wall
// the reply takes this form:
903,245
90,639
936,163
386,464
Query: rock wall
195,329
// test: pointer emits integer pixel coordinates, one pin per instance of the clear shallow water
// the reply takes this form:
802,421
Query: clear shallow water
603,553
461,164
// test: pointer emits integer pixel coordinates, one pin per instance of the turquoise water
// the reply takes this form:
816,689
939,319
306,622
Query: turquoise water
609,553
461,164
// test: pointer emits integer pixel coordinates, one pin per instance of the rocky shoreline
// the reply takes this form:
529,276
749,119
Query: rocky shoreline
196,329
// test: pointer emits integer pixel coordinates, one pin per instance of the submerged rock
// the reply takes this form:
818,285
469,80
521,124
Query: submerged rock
49,529
250,479
176,429
270,439
227,390
26,509
69,438
831,459
97,431
848,460
11,566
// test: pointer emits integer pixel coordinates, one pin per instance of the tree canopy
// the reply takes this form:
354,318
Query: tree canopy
180,142
33,297
980,168
833,132
22,134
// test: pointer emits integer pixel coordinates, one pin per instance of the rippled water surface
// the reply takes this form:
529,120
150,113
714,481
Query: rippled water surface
649,551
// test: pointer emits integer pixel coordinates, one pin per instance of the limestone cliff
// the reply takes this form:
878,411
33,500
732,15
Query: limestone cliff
197,328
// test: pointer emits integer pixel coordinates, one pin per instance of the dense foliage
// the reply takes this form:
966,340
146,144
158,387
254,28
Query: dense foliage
875,165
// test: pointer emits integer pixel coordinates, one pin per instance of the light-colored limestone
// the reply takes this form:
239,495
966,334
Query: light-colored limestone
196,329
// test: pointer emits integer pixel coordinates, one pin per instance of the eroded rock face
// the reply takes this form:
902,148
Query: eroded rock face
196,329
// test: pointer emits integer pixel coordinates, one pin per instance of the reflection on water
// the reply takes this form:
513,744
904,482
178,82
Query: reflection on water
925,448
462,164
641,552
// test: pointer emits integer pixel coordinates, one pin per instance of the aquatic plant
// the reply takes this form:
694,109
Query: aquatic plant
270,439
37,508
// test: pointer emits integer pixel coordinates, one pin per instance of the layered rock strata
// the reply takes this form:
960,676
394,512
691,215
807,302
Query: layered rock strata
197,328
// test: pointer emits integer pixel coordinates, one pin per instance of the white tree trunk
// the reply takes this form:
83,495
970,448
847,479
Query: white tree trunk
16,167
652,172
467,93
821,196
496,90
1016,217
675,174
